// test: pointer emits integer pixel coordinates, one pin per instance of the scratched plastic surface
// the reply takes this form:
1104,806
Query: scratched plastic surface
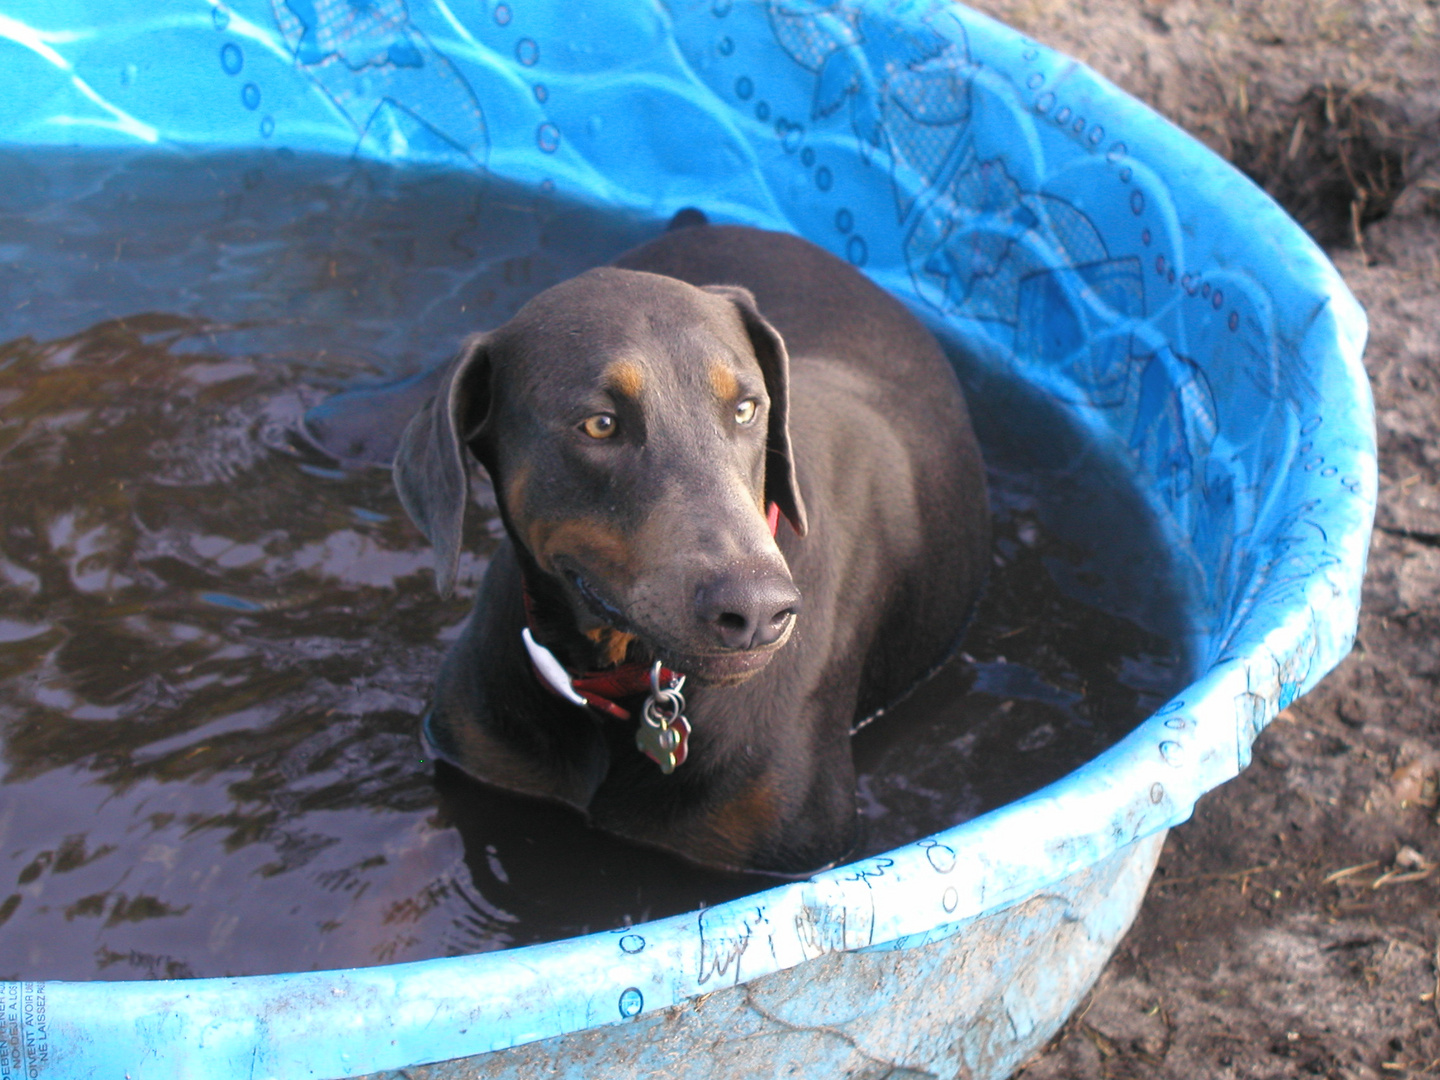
1096,265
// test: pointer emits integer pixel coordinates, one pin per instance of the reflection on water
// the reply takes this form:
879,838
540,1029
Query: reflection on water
214,643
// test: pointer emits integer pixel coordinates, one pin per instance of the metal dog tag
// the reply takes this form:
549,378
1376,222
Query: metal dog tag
664,733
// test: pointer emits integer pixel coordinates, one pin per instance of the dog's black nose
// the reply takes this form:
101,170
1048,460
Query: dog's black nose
748,613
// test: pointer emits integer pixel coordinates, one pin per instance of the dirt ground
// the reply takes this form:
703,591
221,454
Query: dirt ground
1291,930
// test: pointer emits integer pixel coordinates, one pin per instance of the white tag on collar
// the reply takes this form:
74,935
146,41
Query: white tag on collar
550,669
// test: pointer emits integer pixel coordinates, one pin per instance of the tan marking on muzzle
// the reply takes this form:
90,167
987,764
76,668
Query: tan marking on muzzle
590,542
614,644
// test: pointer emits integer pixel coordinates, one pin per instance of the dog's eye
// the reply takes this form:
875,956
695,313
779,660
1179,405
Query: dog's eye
746,410
600,426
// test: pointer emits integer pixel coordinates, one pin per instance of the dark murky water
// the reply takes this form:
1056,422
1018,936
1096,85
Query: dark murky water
214,645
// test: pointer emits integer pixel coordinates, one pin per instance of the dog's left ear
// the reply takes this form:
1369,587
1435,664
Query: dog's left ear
431,473
781,486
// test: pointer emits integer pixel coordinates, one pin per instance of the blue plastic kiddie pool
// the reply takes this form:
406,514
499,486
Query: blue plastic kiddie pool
1063,234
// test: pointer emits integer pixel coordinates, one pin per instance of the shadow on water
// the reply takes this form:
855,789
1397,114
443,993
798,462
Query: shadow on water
1077,638
214,643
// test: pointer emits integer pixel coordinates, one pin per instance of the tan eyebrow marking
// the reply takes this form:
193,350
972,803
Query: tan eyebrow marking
627,377
723,382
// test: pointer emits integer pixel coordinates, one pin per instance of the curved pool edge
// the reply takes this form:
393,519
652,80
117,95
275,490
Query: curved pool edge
372,1021
1011,978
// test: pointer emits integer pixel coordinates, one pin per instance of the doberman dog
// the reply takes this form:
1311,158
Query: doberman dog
646,426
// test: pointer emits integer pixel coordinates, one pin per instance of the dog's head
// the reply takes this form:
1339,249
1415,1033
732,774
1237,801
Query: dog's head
635,429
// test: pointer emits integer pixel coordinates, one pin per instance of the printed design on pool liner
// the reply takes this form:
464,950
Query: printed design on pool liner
978,246
725,933
906,92
1038,275
405,97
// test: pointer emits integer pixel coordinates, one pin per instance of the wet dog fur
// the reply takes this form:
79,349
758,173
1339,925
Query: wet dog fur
637,422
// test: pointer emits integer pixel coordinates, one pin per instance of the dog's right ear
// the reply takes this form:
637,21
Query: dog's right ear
431,473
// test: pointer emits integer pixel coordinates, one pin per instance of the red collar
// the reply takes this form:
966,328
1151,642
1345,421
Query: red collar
602,690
